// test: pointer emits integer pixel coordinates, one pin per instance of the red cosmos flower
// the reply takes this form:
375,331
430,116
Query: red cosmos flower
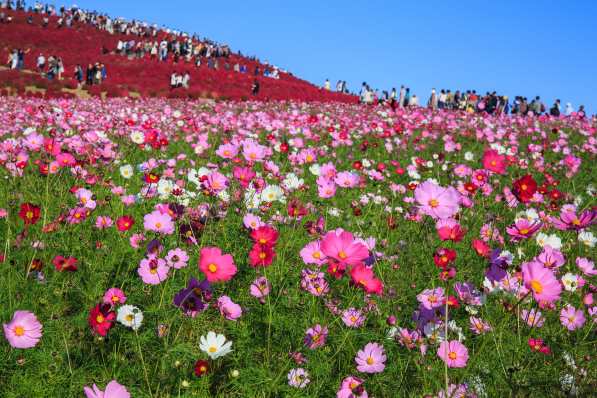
537,345
452,302
265,236
201,367
357,165
29,213
524,188
364,278
481,247
454,233
470,187
151,178
336,269
495,162
125,223
101,319
65,264
284,147
296,209
444,257
261,256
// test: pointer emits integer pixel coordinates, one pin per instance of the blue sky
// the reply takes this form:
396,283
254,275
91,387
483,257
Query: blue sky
546,48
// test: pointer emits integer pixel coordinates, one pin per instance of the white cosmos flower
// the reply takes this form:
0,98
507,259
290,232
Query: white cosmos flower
552,240
272,193
126,171
469,156
570,282
215,345
137,137
165,188
130,316
314,169
292,182
587,238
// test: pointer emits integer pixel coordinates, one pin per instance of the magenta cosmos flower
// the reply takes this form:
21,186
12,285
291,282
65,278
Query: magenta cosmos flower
453,353
436,201
342,246
371,359
216,266
315,337
541,281
159,222
114,296
23,331
113,390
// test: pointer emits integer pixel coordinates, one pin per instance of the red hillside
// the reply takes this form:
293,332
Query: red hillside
84,44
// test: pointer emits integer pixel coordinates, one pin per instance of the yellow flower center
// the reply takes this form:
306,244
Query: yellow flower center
524,231
212,349
370,361
433,203
19,331
317,255
212,267
452,355
129,317
536,286
262,255
100,318
342,254
158,225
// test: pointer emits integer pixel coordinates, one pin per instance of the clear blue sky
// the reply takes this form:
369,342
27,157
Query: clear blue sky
546,48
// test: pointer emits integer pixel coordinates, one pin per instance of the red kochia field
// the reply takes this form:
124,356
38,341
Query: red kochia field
171,248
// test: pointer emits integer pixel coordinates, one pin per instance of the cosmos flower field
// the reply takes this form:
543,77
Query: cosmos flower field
167,248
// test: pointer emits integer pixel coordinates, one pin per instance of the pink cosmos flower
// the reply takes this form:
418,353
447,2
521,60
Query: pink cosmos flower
353,318
493,161
436,201
244,175
253,152
260,287
586,266
23,331
523,229
216,266
103,222
114,296
569,220
315,337
478,325
227,151
153,271
572,318
326,190
113,390
346,179
533,318
229,309
312,254
351,387
341,246
551,258
216,182
159,222
252,221
432,298
371,359
453,353
177,258
541,281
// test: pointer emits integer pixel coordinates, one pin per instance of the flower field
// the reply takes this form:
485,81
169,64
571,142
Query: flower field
171,248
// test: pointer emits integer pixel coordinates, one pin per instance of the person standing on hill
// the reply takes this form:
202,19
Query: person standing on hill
327,85
432,103
255,87
401,96
41,63
555,109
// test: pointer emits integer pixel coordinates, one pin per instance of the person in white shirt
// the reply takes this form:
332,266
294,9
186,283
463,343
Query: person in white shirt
41,62
414,101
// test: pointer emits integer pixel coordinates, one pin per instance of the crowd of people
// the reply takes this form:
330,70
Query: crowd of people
469,101
176,46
